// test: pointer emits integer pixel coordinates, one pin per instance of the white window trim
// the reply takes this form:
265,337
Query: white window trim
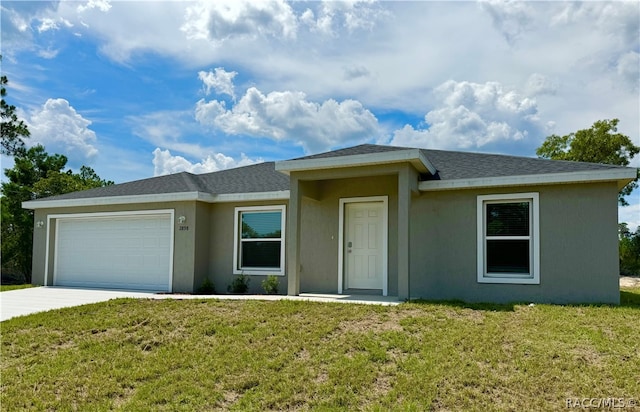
236,241
534,277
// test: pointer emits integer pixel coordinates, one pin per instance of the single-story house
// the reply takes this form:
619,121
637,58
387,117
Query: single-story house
405,222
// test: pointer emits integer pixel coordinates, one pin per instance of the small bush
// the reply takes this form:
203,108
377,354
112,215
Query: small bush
239,285
207,288
270,285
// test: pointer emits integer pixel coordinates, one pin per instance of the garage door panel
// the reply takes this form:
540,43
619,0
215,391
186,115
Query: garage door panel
132,252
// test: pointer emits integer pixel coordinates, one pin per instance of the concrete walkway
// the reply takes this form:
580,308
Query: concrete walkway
32,300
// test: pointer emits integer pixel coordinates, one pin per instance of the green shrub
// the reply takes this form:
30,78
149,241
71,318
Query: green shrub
239,285
270,285
207,288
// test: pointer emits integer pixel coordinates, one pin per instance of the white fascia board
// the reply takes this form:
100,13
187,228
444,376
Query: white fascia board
115,200
413,156
244,197
423,159
622,176
155,198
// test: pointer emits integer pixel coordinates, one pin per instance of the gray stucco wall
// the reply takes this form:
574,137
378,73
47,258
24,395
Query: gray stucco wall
201,248
578,246
39,248
320,228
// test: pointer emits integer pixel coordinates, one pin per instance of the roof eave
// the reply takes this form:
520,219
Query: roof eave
621,176
414,156
155,198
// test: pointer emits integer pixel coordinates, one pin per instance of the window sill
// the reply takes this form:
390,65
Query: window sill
508,280
259,272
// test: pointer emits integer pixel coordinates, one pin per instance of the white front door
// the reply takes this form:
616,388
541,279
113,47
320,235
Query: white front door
363,245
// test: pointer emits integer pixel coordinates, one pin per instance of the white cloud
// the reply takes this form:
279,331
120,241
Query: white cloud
102,5
165,163
207,113
472,115
170,130
538,84
124,27
353,72
61,129
48,53
335,16
511,18
161,125
628,69
619,19
290,116
18,21
47,24
220,80
222,20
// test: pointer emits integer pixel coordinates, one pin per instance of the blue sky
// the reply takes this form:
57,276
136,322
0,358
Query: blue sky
137,89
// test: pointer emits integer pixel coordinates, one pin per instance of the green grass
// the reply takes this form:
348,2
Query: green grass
4,288
250,355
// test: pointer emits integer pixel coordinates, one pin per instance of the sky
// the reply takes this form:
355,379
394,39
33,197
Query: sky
140,89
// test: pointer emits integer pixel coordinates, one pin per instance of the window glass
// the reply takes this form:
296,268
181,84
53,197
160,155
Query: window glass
261,225
508,219
261,254
508,256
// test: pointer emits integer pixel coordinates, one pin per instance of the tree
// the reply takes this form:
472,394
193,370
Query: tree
56,182
13,130
35,174
599,144
629,250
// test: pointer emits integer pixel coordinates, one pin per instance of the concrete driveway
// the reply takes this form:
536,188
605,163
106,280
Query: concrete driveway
40,299
32,300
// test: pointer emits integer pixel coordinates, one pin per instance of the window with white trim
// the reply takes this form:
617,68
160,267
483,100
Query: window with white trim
508,238
259,240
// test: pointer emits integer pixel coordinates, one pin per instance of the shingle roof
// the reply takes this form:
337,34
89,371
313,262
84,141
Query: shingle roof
355,150
260,177
465,165
263,177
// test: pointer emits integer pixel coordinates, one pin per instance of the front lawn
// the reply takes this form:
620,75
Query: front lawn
250,355
5,288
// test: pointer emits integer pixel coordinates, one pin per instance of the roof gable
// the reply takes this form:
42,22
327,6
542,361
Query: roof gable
355,150
363,155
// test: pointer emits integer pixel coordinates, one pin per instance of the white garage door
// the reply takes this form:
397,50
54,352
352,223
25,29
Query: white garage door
115,251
